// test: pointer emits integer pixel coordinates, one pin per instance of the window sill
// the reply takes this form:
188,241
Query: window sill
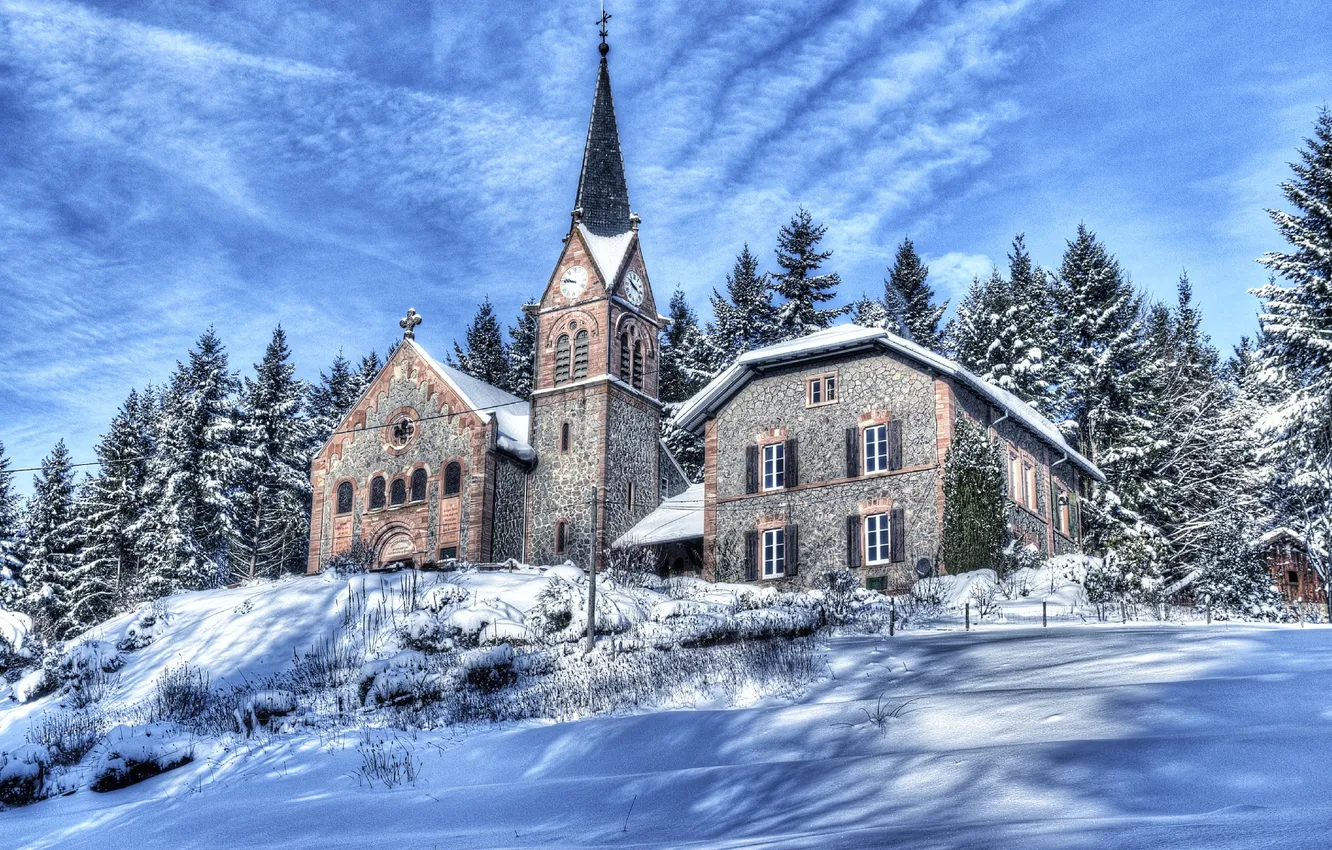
812,404
1028,511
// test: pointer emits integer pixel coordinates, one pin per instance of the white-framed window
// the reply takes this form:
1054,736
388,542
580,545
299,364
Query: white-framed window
876,449
821,390
774,552
1065,513
1015,478
1029,486
878,539
774,466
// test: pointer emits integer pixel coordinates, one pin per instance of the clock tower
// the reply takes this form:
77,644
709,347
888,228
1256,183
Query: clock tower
596,417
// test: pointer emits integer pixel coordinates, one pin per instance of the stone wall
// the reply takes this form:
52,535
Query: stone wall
562,481
632,452
510,509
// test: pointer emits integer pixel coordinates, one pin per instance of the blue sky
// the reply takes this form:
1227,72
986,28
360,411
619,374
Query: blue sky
169,165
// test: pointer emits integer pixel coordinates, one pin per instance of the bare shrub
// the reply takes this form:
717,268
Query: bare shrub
840,593
68,735
180,695
358,558
389,761
984,598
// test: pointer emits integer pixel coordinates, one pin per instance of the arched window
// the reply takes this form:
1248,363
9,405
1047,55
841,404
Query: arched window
580,355
624,357
565,440
345,495
377,493
398,492
562,359
419,485
452,479
638,365
560,537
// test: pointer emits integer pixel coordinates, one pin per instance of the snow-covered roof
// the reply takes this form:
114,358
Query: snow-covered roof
678,518
847,338
511,412
608,252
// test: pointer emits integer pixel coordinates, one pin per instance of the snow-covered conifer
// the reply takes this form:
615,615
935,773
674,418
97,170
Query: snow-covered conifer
11,531
975,501
332,399
684,371
744,317
51,544
909,278
485,357
799,284
522,355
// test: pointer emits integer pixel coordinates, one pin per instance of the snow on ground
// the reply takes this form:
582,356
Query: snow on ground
1068,737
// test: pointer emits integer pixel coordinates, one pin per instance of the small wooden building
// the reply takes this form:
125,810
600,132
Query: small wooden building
1294,572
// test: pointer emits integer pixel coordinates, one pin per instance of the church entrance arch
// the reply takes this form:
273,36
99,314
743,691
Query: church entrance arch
395,547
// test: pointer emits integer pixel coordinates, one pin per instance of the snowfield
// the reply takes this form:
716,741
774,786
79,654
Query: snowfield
1079,735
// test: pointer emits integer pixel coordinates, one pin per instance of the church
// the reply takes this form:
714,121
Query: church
432,464
820,453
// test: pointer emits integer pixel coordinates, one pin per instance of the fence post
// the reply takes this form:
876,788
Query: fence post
968,616
592,579
892,616
1043,620
1123,613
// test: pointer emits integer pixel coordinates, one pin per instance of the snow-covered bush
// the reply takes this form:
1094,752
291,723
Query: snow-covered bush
488,669
444,596
87,672
840,591
398,679
181,694
554,609
23,775
149,623
258,708
131,754
68,735
358,558
423,630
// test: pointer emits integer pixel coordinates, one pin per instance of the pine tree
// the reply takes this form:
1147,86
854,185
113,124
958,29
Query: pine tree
522,354
888,313
975,335
271,503
366,372
975,501
744,318
186,536
1028,336
332,399
111,507
11,531
1296,353
51,545
909,277
683,372
799,283
485,357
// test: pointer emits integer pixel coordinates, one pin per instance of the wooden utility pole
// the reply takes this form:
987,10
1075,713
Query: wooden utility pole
592,577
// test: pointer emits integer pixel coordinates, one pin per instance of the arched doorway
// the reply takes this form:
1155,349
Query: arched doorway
395,548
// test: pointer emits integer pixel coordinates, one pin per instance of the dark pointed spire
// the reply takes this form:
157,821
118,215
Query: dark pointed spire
603,196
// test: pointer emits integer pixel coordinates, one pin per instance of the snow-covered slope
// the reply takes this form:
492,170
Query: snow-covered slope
1069,737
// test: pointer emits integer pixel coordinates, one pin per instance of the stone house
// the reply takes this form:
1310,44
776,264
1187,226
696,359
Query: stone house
827,452
432,464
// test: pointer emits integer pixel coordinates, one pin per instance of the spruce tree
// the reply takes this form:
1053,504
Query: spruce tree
11,531
1027,336
271,502
1296,320
683,372
888,313
799,284
909,277
186,536
366,372
332,399
975,335
485,357
51,545
975,501
522,354
744,318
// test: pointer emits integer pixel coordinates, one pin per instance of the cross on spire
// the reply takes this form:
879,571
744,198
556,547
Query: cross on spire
409,324
603,20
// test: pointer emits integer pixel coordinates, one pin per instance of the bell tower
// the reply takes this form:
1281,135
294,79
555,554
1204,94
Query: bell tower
596,417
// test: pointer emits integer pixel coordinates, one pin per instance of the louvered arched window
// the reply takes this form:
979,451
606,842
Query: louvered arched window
419,485
638,365
580,355
562,359
624,357
452,479
377,493
345,495
398,492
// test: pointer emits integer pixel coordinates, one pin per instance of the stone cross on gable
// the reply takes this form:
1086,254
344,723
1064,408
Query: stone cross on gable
409,324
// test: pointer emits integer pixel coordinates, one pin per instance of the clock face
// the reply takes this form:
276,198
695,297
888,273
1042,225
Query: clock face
573,282
633,288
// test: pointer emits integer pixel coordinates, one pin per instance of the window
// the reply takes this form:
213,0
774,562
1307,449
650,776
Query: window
1065,514
774,466
1029,486
402,432
580,355
448,553
878,539
876,449
821,390
774,552
630,492
562,359
1292,577
638,365
345,495
452,478
624,357
377,493
419,485
561,537
398,492
1015,478
564,437
879,583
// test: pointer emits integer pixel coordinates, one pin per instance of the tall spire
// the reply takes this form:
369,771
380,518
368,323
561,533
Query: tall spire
603,195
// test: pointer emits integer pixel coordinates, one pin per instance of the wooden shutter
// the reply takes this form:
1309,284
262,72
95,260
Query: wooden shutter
751,555
853,541
792,550
894,431
898,533
852,452
792,463
751,469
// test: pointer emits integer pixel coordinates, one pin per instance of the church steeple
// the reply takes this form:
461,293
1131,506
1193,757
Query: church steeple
603,195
